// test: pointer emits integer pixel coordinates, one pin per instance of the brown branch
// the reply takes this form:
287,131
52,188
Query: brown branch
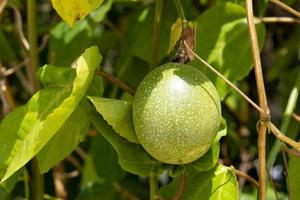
286,7
6,92
277,20
283,137
180,187
44,43
19,29
2,5
81,152
262,100
116,81
245,176
296,117
291,151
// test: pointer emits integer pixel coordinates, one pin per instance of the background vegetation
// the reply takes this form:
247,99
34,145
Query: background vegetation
54,126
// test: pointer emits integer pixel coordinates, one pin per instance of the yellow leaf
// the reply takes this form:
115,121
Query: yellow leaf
74,10
176,30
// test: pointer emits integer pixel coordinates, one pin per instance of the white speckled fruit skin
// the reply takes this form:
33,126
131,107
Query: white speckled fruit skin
176,113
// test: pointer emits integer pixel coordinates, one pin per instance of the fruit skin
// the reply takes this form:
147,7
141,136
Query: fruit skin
176,113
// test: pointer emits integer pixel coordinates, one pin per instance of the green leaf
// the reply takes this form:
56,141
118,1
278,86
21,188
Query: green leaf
132,157
118,114
72,40
28,128
6,51
7,186
293,171
73,11
98,191
99,14
176,30
101,151
66,138
216,184
52,76
224,43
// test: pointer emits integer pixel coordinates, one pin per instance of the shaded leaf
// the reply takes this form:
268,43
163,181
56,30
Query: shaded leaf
72,40
28,128
132,157
216,184
98,191
293,171
118,114
73,11
6,51
105,160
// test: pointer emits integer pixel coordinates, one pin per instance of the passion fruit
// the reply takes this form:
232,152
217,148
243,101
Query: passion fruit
176,113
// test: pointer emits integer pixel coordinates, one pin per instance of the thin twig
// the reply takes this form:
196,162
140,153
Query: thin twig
157,22
286,7
245,176
286,171
21,76
296,117
277,20
265,115
116,81
44,43
291,151
180,187
19,29
81,152
272,184
15,67
224,79
7,96
283,137
74,162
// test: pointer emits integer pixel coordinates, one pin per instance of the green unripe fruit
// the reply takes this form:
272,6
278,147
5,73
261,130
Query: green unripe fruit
176,113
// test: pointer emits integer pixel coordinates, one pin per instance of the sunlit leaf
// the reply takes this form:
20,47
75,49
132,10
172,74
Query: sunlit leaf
176,30
73,11
28,128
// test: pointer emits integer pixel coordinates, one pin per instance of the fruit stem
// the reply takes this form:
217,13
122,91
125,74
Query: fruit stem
157,21
153,187
180,187
181,14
